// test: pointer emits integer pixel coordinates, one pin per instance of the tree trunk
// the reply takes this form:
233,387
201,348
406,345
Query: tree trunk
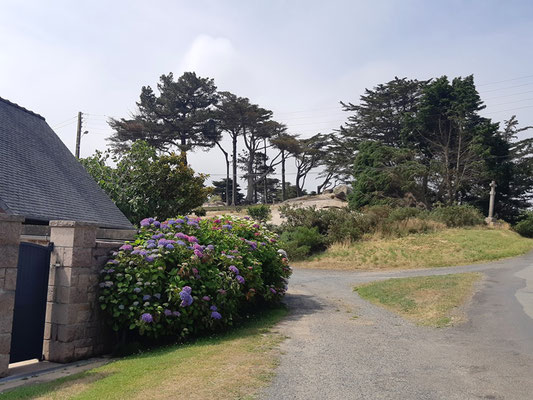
283,189
234,183
250,190
183,146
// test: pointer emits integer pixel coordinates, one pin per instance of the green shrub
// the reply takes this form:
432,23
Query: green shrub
525,226
185,276
457,216
260,212
200,212
301,241
404,213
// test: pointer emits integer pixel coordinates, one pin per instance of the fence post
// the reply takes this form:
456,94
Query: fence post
71,280
10,229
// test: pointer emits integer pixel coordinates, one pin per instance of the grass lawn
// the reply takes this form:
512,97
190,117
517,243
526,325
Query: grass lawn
426,300
439,249
231,366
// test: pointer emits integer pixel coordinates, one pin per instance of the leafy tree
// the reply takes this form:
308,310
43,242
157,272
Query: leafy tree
174,118
144,184
384,175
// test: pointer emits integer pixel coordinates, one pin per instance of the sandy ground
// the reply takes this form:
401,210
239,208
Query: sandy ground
320,201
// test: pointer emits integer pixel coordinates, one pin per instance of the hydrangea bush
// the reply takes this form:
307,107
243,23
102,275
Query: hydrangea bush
184,276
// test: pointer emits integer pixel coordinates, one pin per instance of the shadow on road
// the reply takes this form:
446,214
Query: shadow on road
300,305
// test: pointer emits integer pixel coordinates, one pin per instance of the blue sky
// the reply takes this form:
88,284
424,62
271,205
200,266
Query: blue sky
298,58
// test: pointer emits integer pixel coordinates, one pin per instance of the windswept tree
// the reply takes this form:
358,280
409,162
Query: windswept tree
287,145
310,154
175,117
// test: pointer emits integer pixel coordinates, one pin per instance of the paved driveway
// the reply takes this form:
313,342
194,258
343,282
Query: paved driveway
378,355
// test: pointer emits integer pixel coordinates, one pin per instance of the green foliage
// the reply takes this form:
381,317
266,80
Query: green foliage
525,226
185,276
457,216
200,212
384,175
143,183
177,116
302,241
260,212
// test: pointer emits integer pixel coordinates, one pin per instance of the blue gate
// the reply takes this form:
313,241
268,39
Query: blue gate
30,302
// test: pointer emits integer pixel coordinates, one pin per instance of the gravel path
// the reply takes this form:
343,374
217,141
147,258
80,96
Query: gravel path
342,347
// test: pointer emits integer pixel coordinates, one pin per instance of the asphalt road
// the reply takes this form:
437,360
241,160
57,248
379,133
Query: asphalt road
330,354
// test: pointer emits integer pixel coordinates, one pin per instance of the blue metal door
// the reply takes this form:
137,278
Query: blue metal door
30,302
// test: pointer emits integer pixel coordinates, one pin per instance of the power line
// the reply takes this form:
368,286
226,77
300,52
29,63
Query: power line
505,80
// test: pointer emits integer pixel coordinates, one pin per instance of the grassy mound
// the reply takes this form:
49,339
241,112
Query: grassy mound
438,249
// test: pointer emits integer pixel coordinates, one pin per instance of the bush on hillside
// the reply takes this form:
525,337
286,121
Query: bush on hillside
525,226
185,276
457,216
302,241
260,212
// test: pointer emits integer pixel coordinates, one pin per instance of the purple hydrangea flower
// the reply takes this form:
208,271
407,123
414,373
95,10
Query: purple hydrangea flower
187,289
113,262
169,246
101,284
157,296
181,235
240,279
126,247
198,253
180,221
213,308
146,297
168,313
192,239
247,218
186,299
228,227
176,313
210,247
273,290
150,258
164,226
142,252
234,269
147,317
145,222
151,220
180,243
150,245
221,291
137,290
206,298
216,315
110,270
157,224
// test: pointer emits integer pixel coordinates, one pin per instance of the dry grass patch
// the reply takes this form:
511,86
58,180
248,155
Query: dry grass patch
427,300
438,249
233,366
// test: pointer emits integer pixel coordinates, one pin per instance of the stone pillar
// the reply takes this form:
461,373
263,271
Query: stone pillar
68,334
10,229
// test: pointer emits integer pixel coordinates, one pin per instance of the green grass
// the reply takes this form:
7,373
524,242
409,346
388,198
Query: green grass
230,366
438,249
427,300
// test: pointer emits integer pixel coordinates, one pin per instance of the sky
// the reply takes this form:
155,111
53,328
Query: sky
296,58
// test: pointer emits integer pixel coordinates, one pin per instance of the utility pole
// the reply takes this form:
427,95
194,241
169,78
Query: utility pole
78,134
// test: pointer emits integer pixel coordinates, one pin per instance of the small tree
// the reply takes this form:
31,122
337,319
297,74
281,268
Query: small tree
144,184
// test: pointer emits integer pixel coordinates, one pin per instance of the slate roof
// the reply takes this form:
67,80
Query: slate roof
41,180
